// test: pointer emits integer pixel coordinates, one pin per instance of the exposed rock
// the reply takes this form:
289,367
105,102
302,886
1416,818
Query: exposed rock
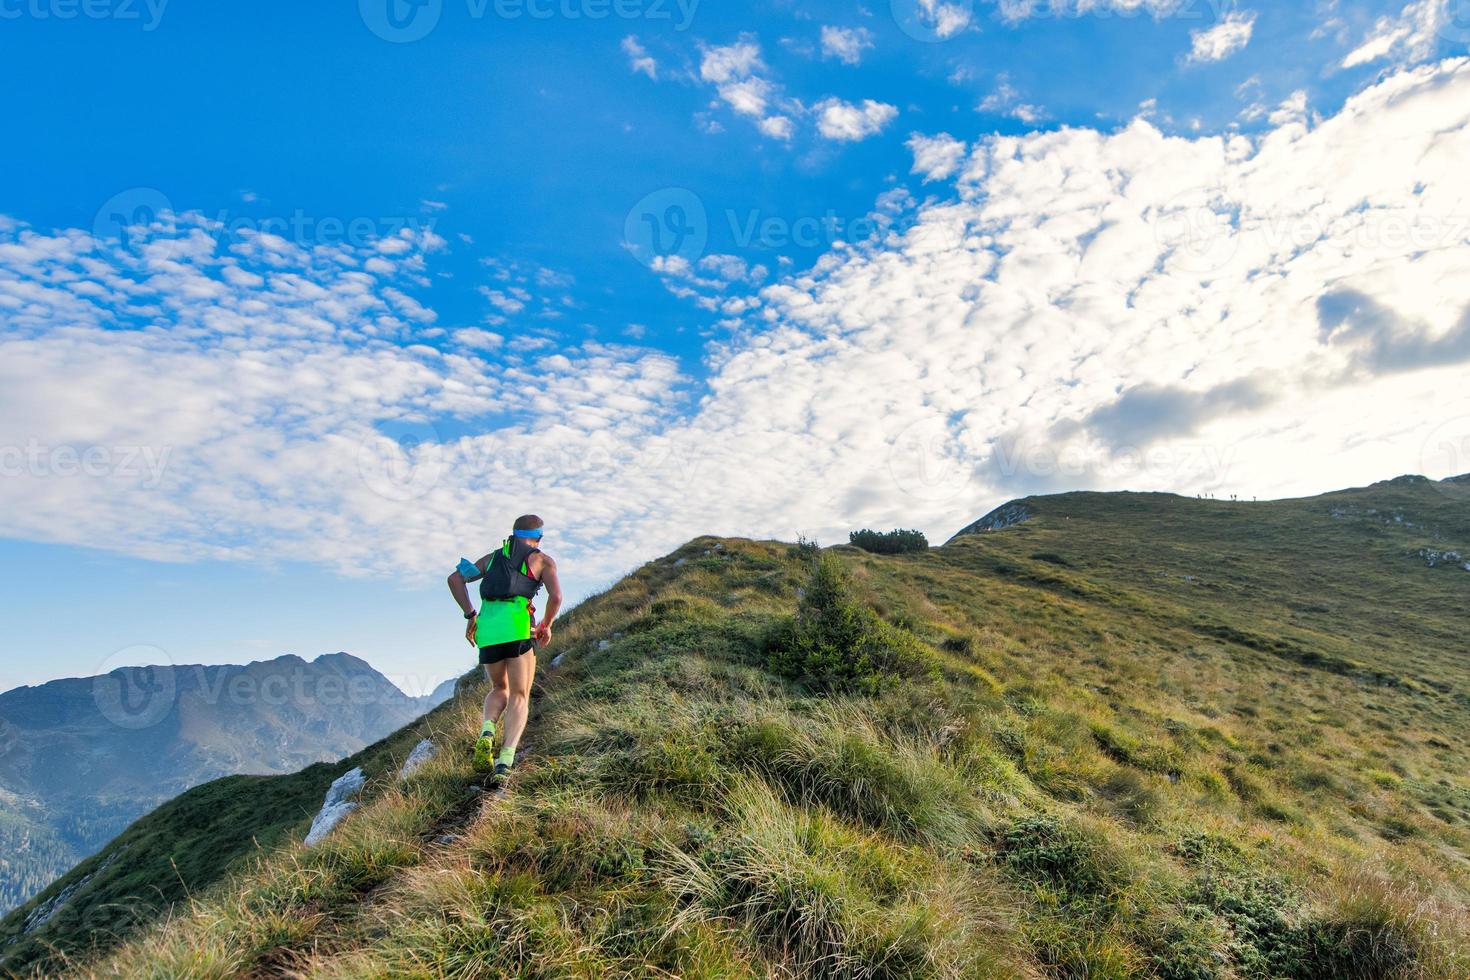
1433,558
1004,516
337,805
556,660
603,644
47,910
422,753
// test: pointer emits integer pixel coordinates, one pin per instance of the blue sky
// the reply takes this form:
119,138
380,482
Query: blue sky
328,305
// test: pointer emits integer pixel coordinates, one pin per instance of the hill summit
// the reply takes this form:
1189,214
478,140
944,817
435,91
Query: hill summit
1133,735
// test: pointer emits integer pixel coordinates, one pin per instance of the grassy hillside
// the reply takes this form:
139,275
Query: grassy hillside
1134,736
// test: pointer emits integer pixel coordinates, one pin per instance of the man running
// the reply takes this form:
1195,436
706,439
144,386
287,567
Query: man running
506,631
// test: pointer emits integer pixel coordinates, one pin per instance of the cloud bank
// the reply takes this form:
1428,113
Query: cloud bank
1267,314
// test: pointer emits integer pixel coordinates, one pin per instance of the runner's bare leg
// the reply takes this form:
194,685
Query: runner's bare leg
499,695
519,671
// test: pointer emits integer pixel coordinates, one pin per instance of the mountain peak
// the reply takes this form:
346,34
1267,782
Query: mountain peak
345,659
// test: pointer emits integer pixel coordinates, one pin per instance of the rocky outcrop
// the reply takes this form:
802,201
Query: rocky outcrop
338,804
422,753
1004,516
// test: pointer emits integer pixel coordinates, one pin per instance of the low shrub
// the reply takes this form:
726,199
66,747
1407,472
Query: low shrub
895,542
838,642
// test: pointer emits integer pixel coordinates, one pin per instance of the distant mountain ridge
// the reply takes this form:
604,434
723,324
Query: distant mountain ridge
82,757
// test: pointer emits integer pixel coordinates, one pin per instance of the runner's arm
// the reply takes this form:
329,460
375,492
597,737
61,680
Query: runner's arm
466,572
553,600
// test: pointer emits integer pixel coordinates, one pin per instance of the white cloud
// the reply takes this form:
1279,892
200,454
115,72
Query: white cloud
730,62
1217,43
846,44
506,302
479,339
1411,36
1017,10
839,120
735,71
945,19
936,157
1006,100
777,127
639,60
1255,314
1293,110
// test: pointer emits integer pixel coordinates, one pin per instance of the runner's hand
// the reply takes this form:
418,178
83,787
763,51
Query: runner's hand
469,632
543,634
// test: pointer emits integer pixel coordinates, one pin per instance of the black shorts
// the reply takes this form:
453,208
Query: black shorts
497,652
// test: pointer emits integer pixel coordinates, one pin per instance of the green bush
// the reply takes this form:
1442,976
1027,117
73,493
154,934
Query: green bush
895,542
837,642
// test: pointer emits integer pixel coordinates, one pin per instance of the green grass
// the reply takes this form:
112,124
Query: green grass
1137,736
